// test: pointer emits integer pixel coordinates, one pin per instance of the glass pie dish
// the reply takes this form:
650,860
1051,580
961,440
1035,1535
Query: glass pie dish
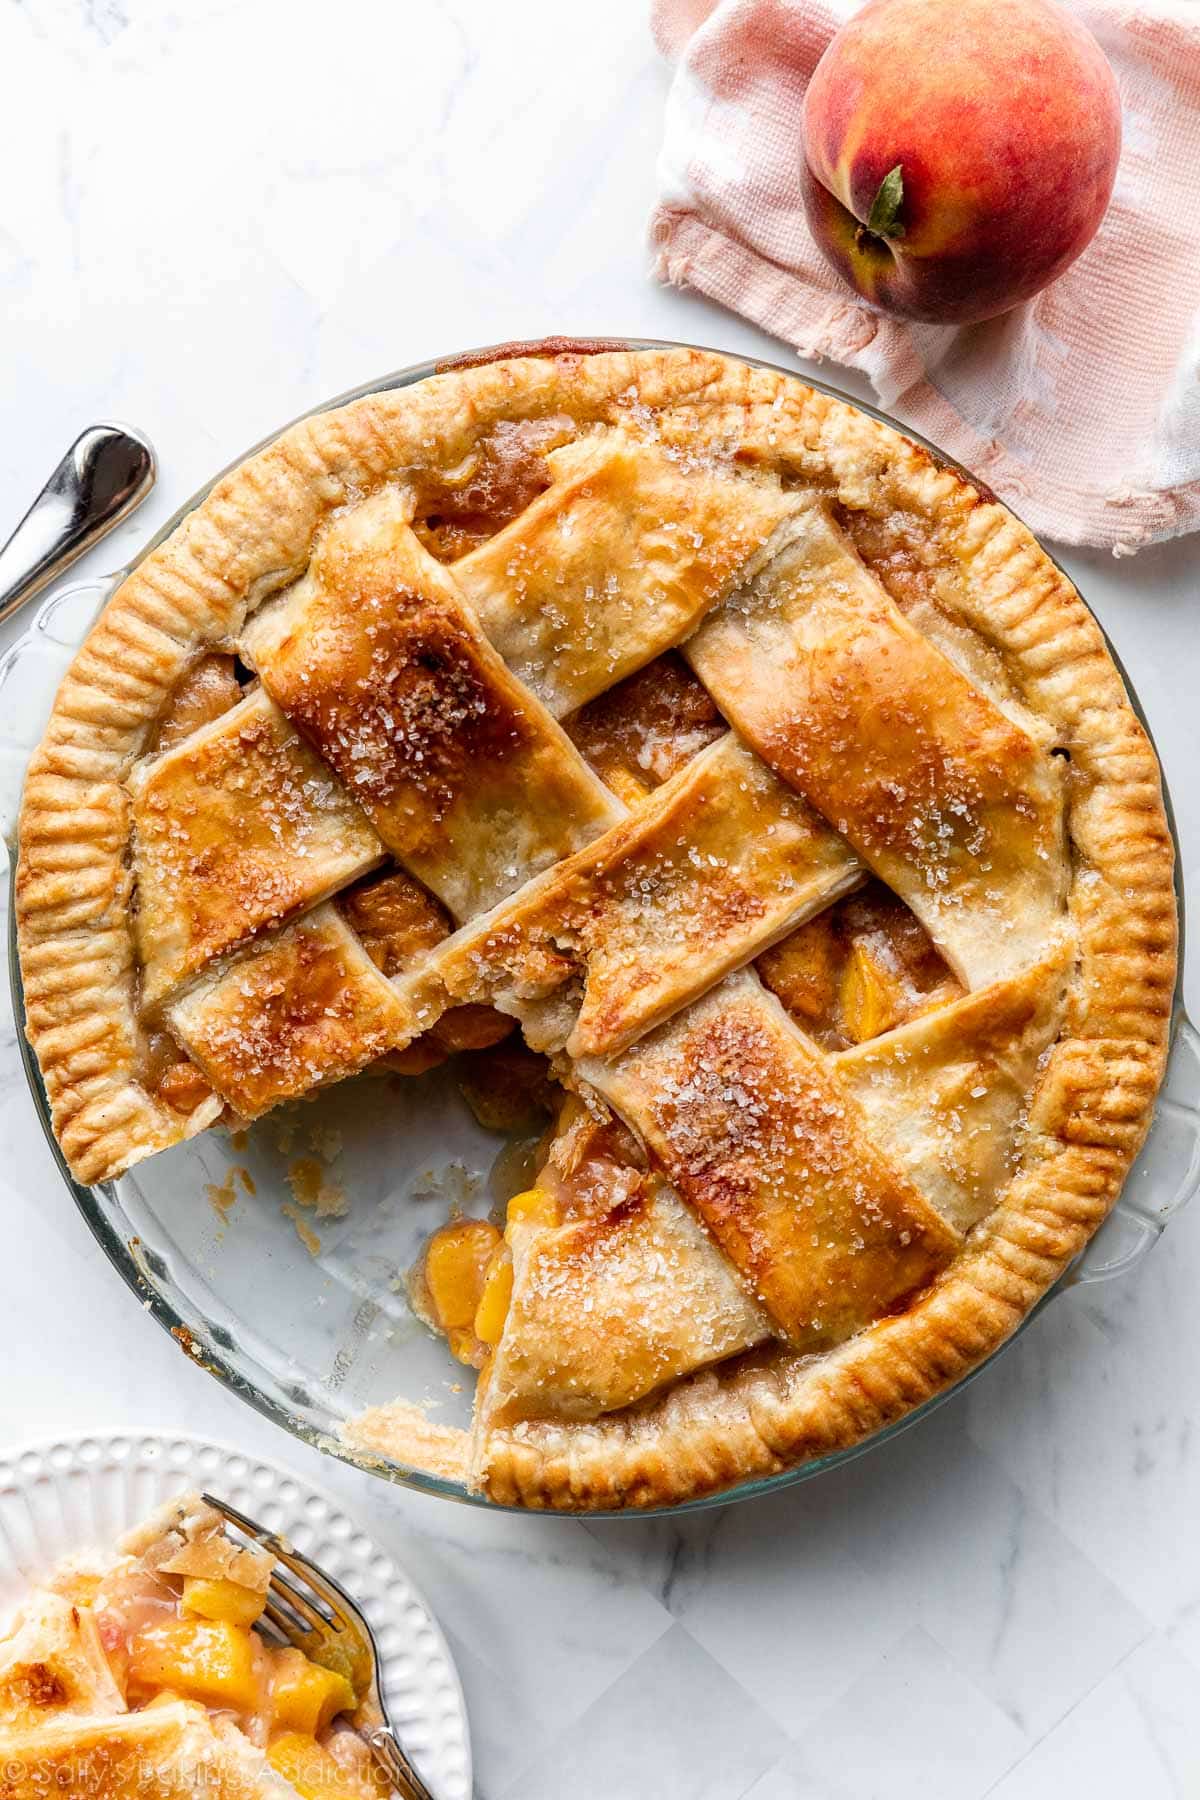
276,1258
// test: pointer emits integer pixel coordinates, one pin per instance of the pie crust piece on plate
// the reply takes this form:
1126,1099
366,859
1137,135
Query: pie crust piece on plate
134,1652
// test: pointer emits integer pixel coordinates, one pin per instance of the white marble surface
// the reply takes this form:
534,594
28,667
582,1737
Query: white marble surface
215,215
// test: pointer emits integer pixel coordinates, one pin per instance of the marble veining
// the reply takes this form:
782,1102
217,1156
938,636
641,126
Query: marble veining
215,216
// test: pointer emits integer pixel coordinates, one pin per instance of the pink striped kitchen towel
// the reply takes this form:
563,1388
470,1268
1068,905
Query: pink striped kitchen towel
1081,407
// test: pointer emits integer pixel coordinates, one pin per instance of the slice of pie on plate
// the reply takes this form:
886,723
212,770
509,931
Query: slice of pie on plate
762,770
140,1672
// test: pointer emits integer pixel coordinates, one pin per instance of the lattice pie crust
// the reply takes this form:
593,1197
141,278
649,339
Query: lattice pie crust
461,603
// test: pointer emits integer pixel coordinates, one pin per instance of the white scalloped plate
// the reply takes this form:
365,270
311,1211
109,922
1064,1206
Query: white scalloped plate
83,1492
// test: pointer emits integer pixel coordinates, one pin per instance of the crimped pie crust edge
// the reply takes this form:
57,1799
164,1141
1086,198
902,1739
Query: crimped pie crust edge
253,535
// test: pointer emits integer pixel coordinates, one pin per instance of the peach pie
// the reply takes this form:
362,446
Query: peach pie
141,1673
763,772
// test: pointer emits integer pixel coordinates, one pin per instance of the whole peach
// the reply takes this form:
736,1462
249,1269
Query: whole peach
959,154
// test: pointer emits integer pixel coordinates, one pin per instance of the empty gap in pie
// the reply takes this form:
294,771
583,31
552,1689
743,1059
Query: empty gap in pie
461,1283
863,967
508,1087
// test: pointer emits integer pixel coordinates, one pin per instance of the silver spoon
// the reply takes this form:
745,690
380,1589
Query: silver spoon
107,472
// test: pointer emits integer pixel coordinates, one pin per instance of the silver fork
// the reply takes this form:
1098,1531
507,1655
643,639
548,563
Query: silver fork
308,1609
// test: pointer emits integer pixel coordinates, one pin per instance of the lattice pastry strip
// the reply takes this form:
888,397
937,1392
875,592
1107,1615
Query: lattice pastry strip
617,561
944,1097
745,1118
610,1305
375,657
948,799
307,1005
719,862
236,827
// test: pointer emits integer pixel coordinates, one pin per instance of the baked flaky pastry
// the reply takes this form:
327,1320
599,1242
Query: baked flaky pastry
763,769
138,1672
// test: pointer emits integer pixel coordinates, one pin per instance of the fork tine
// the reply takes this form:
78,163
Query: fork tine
337,1602
307,1612
314,1613
248,1527
341,1607
270,1625
291,1630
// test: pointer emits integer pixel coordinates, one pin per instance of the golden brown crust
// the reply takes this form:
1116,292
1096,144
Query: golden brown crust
379,662
945,1096
301,1008
236,828
752,1127
52,1666
947,798
619,560
713,866
175,1752
988,601
607,1307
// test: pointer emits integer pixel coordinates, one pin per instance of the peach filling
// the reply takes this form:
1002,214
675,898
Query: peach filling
317,1773
197,1642
467,1276
857,970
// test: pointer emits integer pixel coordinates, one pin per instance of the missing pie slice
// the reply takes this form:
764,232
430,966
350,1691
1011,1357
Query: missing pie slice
681,735
141,1672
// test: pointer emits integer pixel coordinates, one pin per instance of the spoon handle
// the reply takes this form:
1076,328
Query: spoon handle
106,473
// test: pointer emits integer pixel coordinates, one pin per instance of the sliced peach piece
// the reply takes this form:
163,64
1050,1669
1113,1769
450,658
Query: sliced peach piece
494,1299
313,1773
223,1600
304,1696
870,1000
533,1207
202,1659
455,1265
